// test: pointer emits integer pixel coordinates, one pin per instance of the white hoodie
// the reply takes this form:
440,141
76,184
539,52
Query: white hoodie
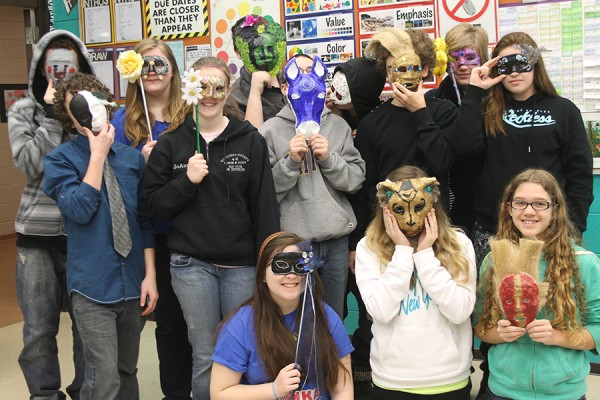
422,337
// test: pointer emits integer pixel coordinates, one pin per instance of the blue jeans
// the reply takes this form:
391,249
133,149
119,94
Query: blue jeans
207,293
335,271
111,342
41,287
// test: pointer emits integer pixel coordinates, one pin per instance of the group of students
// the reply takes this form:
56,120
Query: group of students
218,210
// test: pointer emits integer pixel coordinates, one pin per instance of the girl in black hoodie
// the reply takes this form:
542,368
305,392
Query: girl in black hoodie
222,203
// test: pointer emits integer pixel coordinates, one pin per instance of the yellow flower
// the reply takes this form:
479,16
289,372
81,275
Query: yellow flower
440,44
441,60
260,29
130,65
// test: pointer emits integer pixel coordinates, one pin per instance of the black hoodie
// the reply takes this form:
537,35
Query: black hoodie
365,83
555,140
224,219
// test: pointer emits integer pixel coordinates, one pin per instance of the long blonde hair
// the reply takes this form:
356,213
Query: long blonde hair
499,98
136,128
566,294
446,248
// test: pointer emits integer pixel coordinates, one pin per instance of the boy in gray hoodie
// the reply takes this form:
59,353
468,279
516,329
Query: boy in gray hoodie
41,238
312,178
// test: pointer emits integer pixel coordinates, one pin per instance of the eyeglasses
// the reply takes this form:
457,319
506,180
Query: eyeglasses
539,205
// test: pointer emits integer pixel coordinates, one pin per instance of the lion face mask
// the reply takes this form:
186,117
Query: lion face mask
409,200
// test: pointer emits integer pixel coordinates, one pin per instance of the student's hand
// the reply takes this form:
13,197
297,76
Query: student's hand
147,149
480,76
101,142
197,168
149,295
352,261
320,146
287,380
430,233
260,80
392,229
408,99
298,147
508,332
541,331
50,91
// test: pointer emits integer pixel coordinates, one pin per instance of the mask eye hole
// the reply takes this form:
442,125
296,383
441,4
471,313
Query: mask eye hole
338,96
332,89
295,96
321,95
283,265
419,207
399,209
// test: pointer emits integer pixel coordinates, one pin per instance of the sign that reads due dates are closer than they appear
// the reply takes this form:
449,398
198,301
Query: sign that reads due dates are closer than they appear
170,19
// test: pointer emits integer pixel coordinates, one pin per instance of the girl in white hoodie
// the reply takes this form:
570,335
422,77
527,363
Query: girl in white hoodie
420,290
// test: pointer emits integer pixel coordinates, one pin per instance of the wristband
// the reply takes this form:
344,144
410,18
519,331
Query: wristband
273,389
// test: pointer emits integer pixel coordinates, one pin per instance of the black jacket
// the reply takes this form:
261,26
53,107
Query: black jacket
225,218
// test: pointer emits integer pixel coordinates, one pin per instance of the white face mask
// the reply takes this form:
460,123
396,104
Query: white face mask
60,64
340,92
89,111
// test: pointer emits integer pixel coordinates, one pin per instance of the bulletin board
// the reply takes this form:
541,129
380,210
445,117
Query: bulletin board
109,27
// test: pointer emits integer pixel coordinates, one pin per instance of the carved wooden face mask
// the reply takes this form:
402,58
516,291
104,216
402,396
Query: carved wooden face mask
519,296
409,200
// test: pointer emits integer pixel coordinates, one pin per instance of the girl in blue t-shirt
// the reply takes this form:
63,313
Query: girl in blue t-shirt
256,345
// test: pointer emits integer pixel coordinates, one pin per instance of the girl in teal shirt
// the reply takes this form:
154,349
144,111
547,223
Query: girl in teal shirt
546,358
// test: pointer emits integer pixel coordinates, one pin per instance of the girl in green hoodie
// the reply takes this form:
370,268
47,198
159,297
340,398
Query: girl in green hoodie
546,358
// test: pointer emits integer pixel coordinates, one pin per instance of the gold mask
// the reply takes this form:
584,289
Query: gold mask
406,71
213,87
409,201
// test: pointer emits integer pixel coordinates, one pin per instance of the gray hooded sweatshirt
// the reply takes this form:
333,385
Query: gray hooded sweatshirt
33,134
312,193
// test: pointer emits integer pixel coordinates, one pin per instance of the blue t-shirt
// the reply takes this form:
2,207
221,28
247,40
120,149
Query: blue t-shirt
236,346
118,121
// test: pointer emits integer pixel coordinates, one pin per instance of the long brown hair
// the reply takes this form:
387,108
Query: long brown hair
446,248
499,98
566,294
277,348
136,127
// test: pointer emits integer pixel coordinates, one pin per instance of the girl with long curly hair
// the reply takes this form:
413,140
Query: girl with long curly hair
256,345
420,290
546,358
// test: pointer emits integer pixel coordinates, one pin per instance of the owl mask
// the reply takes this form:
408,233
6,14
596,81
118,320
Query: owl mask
409,201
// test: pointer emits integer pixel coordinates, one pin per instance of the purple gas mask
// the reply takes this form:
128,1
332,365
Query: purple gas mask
306,94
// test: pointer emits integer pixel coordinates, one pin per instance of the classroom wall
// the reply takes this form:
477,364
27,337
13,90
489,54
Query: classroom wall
14,70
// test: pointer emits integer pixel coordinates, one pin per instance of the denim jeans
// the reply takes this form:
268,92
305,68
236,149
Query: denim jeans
41,286
335,271
111,342
207,293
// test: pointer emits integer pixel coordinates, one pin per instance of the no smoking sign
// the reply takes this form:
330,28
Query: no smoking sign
475,12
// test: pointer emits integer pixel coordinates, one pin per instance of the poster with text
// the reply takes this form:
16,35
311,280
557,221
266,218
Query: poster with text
416,17
176,19
128,21
330,52
383,3
96,16
329,27
103,61
224,14
475,12
195,52
297,7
